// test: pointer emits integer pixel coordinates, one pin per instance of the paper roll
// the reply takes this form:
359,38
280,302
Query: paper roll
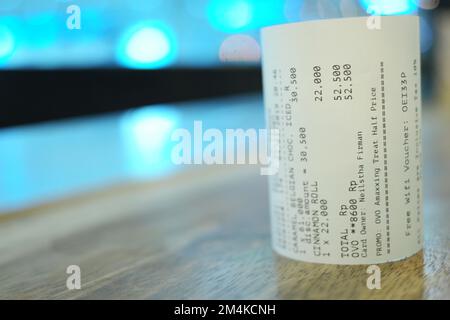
345,97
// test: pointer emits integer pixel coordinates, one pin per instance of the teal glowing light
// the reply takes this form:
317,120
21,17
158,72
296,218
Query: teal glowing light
389,7
149,45
43,30
233,16
146,137
230,15
7,44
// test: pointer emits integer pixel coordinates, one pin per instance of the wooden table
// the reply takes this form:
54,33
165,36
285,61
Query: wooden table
204,234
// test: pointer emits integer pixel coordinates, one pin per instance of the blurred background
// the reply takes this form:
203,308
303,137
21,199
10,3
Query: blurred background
151,34
90,90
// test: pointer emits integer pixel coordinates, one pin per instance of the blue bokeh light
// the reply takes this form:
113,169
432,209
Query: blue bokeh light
389,7
233,16
43,30
230,15
11,34
147,45
7,44
146,140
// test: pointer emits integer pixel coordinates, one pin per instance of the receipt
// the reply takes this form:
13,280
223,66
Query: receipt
346,101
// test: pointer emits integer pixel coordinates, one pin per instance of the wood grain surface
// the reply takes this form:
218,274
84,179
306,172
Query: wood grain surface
204,234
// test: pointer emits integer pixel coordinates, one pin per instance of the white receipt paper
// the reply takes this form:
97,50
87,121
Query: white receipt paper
346,101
